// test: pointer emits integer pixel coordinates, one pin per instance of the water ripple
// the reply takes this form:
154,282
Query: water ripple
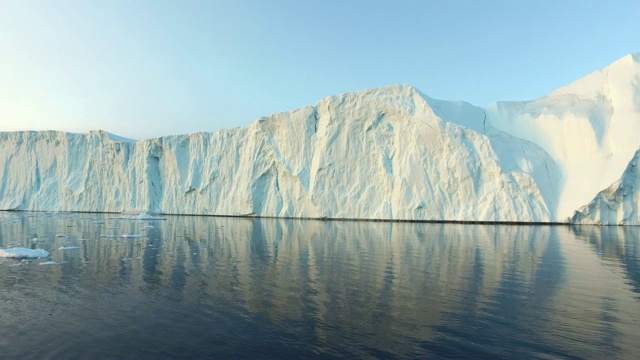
197,288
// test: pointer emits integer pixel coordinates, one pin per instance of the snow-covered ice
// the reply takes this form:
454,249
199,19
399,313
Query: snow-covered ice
391,153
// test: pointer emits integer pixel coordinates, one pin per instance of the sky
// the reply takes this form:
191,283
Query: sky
143,69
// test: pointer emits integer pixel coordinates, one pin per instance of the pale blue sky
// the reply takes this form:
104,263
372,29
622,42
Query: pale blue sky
149,68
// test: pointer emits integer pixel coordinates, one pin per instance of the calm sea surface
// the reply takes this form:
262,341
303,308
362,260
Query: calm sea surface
202,287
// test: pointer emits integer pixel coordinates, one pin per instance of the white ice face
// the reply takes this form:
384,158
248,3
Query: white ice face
391,153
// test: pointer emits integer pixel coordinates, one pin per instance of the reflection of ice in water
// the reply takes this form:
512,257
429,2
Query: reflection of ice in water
384,283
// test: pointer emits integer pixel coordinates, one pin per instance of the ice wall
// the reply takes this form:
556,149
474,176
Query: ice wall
389,153
376,154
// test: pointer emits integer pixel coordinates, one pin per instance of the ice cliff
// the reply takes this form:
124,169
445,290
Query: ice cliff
389,153
617,204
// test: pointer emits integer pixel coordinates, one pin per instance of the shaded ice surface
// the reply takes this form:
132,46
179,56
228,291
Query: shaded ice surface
390,153
23,253
617,204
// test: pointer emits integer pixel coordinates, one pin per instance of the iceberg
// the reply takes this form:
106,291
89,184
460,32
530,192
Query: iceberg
391,153
23,253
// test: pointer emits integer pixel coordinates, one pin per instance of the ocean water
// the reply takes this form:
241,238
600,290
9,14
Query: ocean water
204,287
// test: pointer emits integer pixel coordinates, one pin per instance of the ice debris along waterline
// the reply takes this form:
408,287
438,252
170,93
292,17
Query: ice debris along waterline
23,253
48,263
142,216
391,153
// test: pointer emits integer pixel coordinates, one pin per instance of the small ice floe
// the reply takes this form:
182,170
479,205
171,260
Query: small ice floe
148,226
131,236
61,236
48,263
108,236
62,248
145,216
138,215
23,253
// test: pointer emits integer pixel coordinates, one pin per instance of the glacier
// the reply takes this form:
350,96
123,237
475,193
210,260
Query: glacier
391,153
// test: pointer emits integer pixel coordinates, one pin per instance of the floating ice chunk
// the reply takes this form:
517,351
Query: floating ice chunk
23,253
145,216
141,216
61,236
48,263
131,236
68,248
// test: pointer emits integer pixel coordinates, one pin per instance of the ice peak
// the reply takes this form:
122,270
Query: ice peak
108,135
396,90
622,73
